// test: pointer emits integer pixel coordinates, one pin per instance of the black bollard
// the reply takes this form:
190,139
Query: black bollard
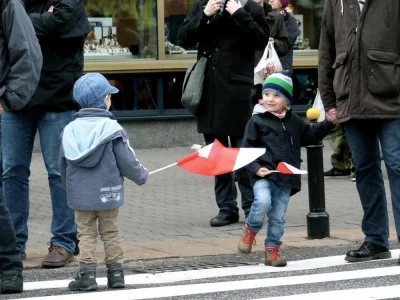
317,218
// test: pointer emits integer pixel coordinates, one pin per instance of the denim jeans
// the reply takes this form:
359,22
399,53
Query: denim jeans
364,137
10,260
19,130
270,200
225,188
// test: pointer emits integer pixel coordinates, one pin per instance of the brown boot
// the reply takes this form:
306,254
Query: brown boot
58,257
274,259
247,240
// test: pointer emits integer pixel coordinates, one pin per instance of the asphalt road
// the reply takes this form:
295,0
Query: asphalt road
310,270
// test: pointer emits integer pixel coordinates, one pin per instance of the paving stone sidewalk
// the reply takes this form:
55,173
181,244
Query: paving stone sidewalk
174,207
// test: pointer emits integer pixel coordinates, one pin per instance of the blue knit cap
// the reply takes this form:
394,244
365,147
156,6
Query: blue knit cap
91,89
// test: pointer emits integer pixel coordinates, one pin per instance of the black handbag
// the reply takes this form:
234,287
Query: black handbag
193,85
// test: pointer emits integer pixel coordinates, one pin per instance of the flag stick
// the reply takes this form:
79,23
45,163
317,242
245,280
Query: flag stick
158,170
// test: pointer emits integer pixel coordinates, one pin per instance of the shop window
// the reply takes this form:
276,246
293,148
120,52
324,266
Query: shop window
175,12
308,14
137,93
121,29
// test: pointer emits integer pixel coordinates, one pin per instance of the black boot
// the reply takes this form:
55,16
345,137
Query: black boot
224,218
368,251
85,280
115,276
11,284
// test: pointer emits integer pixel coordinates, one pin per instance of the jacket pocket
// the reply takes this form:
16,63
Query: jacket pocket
341,80
383,73
242,78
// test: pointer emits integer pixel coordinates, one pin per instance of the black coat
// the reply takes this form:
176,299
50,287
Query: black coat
282,140
294,32
61,36
231,42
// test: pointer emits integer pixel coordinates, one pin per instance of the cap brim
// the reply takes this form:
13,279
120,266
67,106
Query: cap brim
113,90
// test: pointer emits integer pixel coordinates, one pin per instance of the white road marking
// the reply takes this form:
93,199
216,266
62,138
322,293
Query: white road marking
383,292
170,277
206,288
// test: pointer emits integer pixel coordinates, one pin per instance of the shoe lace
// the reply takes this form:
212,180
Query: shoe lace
249,237
274,254
56,248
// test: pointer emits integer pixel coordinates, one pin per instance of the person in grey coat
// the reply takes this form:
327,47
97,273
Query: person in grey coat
20,64
95,156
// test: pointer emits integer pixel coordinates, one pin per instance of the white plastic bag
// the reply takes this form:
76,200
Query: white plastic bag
320,106
269,63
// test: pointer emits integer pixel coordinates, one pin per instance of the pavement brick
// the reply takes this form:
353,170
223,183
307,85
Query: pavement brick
176,206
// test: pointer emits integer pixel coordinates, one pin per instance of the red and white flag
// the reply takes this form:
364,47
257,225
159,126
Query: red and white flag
285,168
215,159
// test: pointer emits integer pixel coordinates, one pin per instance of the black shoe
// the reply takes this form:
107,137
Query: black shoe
85,281
115,276
337,173
224,218
11,284
368,251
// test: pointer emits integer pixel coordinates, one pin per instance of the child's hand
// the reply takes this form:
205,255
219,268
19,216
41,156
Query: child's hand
51,9
262,172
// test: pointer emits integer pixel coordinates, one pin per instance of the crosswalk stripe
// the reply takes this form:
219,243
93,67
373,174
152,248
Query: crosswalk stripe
170,277
384,292
204,288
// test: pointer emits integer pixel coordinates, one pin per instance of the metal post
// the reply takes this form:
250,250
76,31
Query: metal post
317,218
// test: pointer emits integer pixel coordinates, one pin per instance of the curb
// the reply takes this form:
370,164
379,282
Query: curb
211,246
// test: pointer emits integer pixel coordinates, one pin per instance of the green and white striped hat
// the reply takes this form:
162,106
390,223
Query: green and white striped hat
279,83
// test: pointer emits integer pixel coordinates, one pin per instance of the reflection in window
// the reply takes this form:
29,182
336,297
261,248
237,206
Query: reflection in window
121,29
175,12
308,14
135,93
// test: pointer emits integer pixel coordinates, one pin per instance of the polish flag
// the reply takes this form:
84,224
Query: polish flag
285,168
215,159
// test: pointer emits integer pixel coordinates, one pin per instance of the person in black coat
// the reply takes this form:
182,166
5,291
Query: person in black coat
292,29
228,35
61,27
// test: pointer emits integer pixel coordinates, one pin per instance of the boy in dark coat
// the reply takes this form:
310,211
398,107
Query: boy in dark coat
274,127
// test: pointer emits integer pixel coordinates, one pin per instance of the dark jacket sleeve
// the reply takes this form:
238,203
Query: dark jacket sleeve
281,43
326,58
251,140
194,27
25,58
128,165
313,133
292,30
251,23
61,20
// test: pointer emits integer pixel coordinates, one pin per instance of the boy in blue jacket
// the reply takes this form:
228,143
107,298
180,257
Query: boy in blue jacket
274,127
95,156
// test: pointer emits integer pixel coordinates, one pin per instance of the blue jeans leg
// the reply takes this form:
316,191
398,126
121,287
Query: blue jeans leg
276,215
363,139
261,205
225,188
389,136
18,133
63,227
10,259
